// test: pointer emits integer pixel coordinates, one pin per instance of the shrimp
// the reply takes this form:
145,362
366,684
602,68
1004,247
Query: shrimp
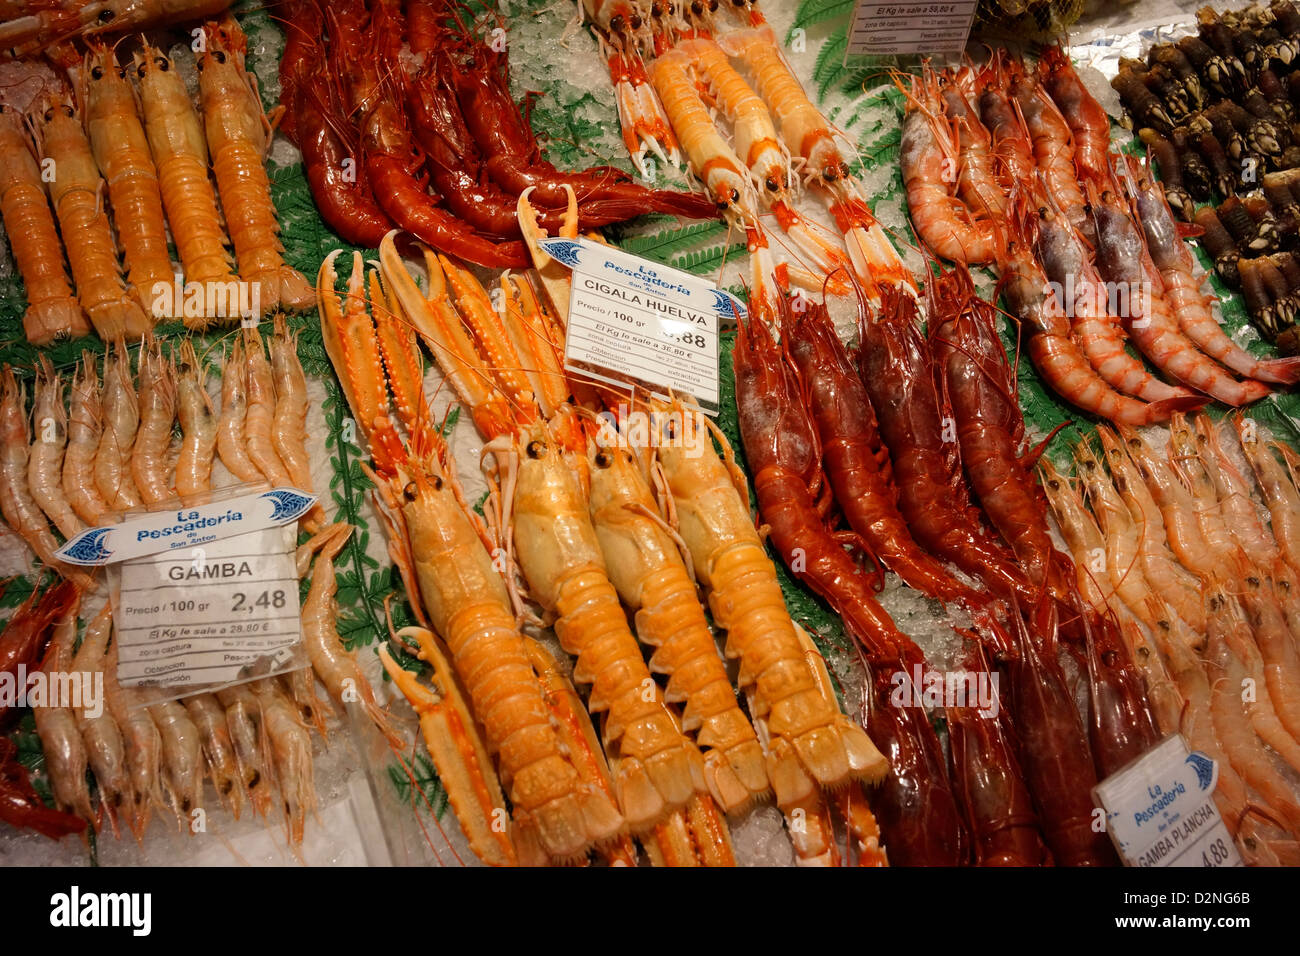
980,384
1122,258
121,417
1088,122
238,136
182,759
142,741
926,154
52,310
45,458
198,426
1056,355
1187,464
1197,723
1081,534
1234,495
336,667
17,505
287,742
977,183
1163,696
84,433
812,143
1013,152
1274,652
1068,263
1171,255
1165,576
757,144
1279,493
725,176
65,753
76,194
232,446
1232,725
105,749
157,402
259,419
180,154
209,721
121,150
1263,704
244,722
1053,145
1176,508
289,427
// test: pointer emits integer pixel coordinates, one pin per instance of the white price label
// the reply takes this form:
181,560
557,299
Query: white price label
1160,809
209,614
635,322
907,27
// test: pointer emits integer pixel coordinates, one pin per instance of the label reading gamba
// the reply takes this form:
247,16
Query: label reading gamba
209,615
637,323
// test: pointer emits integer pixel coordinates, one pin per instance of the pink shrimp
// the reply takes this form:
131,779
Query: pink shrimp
1088,122
1122,258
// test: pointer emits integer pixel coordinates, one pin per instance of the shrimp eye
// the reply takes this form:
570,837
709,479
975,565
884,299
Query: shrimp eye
697,8
141,71
636,21
67,111
735,196
219,56
603,460
97,72
49,114
437,483
713,5
121,73
830,174
656,10
627,456
616,23
410,492
163,64
722,204
536,449
106,15
773,184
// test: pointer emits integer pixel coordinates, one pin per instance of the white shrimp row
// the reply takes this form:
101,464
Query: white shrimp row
1205,590
112,451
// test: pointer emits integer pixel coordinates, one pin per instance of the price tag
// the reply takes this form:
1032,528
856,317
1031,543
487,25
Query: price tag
214,614
1160,809
635,322
903,26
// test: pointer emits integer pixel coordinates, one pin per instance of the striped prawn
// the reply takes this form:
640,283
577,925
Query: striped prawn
121,150
77,194
52,310
238,137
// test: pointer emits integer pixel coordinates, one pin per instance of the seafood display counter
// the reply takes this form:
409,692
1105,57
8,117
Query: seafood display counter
625,433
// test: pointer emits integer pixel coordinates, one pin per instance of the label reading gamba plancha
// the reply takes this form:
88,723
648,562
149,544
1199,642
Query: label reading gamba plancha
633,322
1160,809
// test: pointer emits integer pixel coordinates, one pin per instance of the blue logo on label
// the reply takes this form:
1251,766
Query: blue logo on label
727,305
287,504
87,547
1204,768
565,250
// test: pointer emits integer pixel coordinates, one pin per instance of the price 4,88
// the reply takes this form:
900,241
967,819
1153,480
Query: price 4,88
250,603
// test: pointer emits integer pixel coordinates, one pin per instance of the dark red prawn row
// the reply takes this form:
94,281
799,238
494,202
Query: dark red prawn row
432,142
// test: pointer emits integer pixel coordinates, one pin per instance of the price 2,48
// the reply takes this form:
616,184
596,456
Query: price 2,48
250,603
